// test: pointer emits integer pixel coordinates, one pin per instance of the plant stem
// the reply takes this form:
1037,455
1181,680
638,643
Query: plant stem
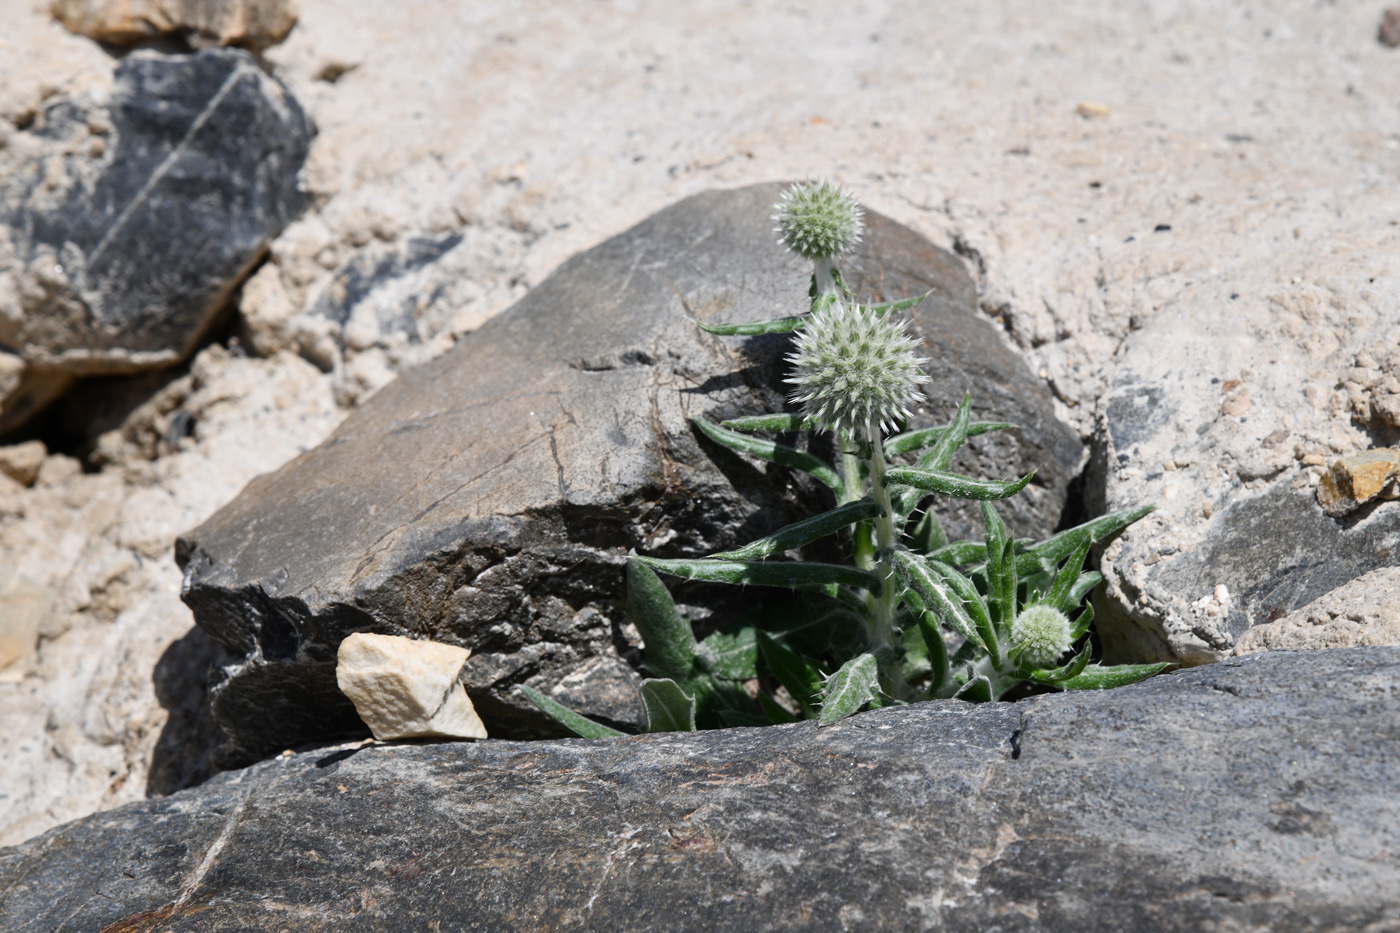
886,537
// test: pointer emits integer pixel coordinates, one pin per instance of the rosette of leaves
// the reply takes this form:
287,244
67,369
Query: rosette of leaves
912,617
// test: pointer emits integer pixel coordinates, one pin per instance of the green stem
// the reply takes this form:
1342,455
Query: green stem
886,537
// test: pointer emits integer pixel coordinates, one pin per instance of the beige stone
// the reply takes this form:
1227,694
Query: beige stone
405,688
1353,481
1365,611
23,605
253,23
21,462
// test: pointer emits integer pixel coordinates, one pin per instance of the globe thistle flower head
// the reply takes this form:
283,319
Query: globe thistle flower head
818,219
1043,632
854,369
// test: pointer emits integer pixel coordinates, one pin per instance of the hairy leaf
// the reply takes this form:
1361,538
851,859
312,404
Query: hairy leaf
1082,587
973,602
1056,548
734,657
1080,627
581,726
976,690
938,597
1001,571
1066,671
1095,677
850,688
928,534
914,440
1060,590
801,679
791,574
779,422
960,553
772,451
775,710
939,457
955,485
669,708
776,326
804,532
939,671
894,307
666,636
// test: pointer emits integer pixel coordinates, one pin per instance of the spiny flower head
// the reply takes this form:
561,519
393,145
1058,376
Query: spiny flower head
854,367
818,219
1044,631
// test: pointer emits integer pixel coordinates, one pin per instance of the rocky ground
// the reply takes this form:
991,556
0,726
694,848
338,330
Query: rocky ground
1181,217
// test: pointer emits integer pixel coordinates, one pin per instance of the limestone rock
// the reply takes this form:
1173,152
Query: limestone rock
126,223
404,688
1361,478
488,498
255,24
1365,611
21,462
1069,812
23,605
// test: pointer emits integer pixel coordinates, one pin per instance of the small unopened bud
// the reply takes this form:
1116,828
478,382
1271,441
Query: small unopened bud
818,219
1043,633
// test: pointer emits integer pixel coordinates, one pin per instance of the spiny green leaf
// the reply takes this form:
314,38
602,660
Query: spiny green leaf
960,553
914,440
935,593
928,534
1066,671
850,688
804,532
772,451
1057,547
776,326
801,679
955,485
1064,580
1095,677
669,708
775,710
939,671
779,422
734,657
976,690
791,574
894,307
666,636
940,456
581,726
1082,587
973,602
1080,627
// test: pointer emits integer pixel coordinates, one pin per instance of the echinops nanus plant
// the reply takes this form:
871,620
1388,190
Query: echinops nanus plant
913,616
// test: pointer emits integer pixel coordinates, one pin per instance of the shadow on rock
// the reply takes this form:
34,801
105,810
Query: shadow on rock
184,753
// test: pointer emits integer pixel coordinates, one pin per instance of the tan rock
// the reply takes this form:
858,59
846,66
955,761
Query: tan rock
252,23
1365,611
21,462
23,604
406,688
1353,481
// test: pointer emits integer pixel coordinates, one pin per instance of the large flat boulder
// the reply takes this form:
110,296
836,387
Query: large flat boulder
1257,794
488,498
127,221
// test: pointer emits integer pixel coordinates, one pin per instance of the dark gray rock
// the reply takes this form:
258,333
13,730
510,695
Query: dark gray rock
125,226
489,497
1257,794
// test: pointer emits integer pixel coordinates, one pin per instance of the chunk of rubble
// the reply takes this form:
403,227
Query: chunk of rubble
1361,478
404,688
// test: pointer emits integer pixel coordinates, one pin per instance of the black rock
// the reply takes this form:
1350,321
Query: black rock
130,225
489,498
1257,794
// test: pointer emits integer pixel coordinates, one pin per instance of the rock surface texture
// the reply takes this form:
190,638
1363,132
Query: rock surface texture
255,24
1258,794
126,223
489,498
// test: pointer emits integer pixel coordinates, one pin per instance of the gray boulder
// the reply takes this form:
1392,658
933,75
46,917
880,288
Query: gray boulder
125,225
1256,794
488,498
